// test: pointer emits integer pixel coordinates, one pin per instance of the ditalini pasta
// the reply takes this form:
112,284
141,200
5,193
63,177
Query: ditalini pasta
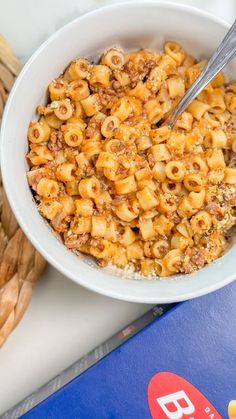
118,187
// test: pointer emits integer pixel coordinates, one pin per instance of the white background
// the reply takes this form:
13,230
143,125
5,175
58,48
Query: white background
64,321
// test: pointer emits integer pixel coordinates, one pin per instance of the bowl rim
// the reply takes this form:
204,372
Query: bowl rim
19,216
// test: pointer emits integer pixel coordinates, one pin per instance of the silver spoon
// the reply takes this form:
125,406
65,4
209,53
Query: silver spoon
222,56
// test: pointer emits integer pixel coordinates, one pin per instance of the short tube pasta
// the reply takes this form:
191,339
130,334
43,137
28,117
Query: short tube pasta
155,79
126,185
198,164
91,148
197,199
84,207
160,152
197,109
154,111
99,76
143,143
48,188
78,90
118,184
125,212
107,160
230,101
50,209
216,101
79,69
172,260
216,159
159,172
140,91
114,59
57,89
135,250
110,126
64,172
230,175
91,104
176,87
185,121
201,222
73,137
218,139
89,188
81,225
63,109
159,248
186,208
175,170
39,154
128,237
99,225
68,205
193,182
38,132
122,109
175,51
178,241
171,187
147,199
146,229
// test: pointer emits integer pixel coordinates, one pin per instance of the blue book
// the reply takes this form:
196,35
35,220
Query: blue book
181,365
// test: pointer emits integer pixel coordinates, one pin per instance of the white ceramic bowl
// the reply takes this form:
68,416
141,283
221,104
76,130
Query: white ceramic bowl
131,25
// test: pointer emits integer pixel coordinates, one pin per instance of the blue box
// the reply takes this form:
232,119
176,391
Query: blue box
182,365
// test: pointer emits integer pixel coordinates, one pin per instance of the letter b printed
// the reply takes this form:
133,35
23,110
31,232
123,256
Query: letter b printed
173,400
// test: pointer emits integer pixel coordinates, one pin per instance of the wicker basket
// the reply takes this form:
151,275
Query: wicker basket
20,264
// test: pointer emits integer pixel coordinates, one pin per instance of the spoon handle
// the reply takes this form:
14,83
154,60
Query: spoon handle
225,52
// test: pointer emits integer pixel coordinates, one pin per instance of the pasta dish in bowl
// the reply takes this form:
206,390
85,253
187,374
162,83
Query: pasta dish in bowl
116,186
107,193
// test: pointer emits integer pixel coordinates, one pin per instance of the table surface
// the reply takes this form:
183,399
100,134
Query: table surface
64,320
